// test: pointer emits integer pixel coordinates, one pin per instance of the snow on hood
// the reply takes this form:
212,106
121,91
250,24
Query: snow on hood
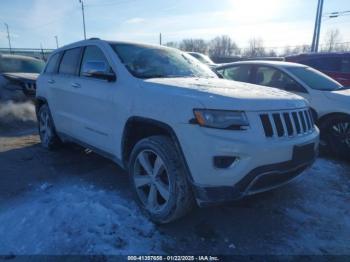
226,94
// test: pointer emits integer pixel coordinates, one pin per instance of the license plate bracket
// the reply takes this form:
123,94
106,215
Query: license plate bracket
304,153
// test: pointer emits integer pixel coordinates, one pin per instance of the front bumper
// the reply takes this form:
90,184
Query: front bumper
259,180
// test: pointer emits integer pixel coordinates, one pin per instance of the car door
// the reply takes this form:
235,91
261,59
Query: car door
61,91
242,73
47,83
93,95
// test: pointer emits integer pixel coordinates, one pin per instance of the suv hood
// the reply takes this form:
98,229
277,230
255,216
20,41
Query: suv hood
216,93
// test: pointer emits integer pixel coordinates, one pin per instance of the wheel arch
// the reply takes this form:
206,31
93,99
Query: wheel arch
137,128
326,117
39,101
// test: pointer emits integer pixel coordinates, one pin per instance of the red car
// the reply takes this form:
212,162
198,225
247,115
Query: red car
336,65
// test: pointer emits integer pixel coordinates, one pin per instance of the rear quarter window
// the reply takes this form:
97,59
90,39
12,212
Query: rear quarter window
52,64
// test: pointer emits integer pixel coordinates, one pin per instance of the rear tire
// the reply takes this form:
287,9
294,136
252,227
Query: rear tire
47,132
335,132
159,179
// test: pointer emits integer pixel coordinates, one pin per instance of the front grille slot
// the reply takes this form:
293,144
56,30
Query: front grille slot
278,124
287,124
301,115
267,125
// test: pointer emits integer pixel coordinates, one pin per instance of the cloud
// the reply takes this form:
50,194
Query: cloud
135,20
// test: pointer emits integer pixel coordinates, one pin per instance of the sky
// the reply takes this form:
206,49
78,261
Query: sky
279,23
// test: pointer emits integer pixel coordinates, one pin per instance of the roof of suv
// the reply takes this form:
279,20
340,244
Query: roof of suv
94,40
263,62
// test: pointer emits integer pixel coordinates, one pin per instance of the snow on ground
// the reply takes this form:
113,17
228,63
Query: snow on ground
321,211
65,219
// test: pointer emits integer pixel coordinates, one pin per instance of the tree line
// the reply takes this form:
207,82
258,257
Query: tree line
225,46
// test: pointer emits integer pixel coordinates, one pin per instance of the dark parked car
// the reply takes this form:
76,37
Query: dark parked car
18,75
336,65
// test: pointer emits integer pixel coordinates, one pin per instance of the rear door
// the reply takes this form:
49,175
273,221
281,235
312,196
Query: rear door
62,95
94,110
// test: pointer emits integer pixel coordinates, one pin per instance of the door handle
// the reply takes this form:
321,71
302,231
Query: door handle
51,81
76,85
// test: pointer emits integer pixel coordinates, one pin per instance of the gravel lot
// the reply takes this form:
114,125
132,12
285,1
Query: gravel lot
72,201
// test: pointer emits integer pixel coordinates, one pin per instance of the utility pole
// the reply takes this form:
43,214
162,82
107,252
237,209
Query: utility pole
8,37
82,10
56,37
160,38
317,28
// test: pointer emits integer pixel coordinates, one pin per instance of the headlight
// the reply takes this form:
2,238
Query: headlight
222,119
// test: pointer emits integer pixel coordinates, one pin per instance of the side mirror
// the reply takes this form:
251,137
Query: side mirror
98,69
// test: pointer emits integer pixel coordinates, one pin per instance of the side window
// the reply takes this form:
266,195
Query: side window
51,67
70,61
240,73
269,76
94,60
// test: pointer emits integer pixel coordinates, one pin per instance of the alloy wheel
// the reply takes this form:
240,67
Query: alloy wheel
341,133
45,127
151,180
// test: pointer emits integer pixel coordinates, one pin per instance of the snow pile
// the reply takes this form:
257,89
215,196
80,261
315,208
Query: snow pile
10,111
76,220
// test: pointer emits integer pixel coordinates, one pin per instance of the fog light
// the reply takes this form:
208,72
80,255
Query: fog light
223,161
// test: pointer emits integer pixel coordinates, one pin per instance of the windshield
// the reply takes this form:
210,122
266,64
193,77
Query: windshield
17,65
156,62
315,79
203,58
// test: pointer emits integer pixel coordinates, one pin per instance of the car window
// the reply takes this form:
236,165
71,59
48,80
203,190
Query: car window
70,61
240,73
18,65
52,64
144,61
93,56
273,77
315,79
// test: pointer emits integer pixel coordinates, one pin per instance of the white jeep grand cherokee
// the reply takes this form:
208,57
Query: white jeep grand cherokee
183,134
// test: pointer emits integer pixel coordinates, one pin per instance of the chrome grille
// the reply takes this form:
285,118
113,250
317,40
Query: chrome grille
287,123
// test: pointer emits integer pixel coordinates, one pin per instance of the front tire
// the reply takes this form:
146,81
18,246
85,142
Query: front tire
47,132
336,132
159,180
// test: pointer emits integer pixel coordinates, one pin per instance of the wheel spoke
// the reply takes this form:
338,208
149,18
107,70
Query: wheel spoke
152,197
141,181
163,190
158,167
145,163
